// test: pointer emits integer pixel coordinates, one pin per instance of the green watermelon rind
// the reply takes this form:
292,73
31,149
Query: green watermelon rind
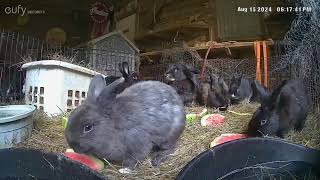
204,112
191,117
64,122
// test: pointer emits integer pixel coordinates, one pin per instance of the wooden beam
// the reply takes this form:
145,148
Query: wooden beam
216,46
170,28
265,64
258,59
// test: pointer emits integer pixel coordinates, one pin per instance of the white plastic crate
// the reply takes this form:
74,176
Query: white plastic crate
56,86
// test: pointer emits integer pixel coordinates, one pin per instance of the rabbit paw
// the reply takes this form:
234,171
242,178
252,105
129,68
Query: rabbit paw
125,170
155,162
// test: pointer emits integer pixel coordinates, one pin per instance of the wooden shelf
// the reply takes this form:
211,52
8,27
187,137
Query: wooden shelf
215,46
172,28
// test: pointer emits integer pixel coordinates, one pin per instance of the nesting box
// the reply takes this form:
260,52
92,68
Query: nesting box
56,86
111,49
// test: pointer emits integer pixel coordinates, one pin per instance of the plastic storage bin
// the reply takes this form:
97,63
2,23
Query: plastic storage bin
56,86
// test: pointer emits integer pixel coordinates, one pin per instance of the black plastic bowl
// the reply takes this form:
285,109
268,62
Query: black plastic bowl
254,158
35,165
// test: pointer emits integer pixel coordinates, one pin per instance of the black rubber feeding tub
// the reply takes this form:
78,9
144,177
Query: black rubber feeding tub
35,165
254,158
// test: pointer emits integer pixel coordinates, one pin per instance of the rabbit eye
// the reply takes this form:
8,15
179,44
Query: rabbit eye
263,122
87,128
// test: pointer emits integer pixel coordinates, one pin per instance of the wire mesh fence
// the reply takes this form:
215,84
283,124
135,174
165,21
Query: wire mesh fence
296,56
301,49
227,67
17,49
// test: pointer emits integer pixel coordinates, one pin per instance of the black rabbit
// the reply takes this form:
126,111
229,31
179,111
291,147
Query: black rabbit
185,80
204,88
286,107
218,96
258,92
130,78
240,90
147,117
214,92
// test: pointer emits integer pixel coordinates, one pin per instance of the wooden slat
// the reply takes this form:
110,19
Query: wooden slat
258,68
172,27
265,64
216,46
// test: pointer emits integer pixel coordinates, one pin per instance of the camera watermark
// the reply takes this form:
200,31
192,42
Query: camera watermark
21,10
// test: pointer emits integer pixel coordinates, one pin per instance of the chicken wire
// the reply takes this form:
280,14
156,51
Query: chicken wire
156,70
300,47
294,57
225,67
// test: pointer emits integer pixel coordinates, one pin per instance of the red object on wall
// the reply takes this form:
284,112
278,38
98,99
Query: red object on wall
100,15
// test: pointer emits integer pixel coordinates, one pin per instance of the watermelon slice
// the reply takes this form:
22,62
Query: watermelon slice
89,161
212,120
226,137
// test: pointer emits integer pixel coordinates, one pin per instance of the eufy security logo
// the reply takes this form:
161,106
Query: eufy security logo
21,10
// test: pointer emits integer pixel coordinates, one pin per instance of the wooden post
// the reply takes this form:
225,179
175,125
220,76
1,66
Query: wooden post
265,64
258,67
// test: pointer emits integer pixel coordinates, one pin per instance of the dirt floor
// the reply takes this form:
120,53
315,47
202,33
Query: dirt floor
48,136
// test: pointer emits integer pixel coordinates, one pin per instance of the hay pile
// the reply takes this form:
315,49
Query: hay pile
48,136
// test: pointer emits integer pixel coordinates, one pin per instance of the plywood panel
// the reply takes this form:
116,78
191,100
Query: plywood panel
234,25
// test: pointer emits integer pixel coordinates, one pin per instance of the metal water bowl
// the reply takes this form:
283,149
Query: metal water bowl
16,124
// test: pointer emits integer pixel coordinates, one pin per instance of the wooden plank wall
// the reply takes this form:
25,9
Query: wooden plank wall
157,15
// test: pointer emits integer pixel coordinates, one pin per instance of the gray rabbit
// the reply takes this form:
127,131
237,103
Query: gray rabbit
147,117
286,107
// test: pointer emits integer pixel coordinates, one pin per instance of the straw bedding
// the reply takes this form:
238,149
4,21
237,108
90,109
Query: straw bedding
48,136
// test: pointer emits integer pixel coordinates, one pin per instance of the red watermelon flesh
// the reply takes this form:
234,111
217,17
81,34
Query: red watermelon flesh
227,137
212,120
83,159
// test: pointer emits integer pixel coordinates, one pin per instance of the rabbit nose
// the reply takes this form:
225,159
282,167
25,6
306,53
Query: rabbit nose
76,147
73,144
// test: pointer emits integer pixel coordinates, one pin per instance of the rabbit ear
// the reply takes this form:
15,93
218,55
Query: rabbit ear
283,102
223,84
273,99
241,75
113,85
260,90
109,93
213,79
191,76
120,68
125,69
96,86
192,69
233,77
